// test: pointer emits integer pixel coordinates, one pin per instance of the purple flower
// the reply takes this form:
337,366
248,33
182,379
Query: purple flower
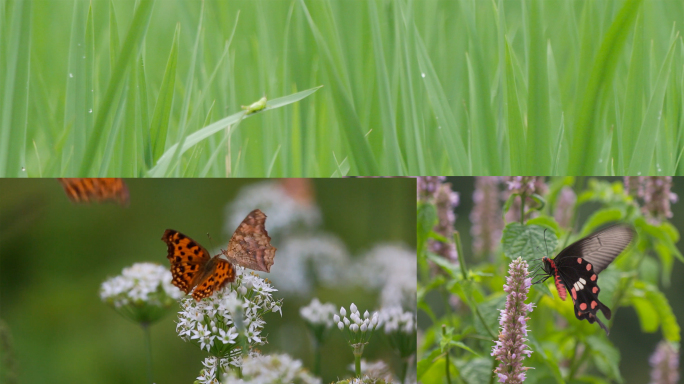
657,198
486,215
634,185
510,348
665,363
428,187
445,201
564,205
523,185
656,194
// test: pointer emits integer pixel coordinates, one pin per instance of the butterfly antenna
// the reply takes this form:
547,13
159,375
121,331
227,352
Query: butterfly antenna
211,241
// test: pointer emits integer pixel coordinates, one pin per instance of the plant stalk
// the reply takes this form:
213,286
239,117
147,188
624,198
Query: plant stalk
148,350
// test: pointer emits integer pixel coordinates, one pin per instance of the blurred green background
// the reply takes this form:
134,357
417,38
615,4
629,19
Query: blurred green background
55,254
635,346
409,87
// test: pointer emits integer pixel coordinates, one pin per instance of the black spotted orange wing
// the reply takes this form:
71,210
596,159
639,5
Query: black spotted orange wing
193,267
250,245
85,190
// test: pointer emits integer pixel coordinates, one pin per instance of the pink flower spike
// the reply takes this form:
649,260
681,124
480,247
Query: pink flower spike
510,348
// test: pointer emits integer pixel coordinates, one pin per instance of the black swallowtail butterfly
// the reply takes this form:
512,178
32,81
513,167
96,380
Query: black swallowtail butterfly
576,269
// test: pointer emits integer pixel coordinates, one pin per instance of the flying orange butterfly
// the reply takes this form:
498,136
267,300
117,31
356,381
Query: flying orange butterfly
193,267
85,190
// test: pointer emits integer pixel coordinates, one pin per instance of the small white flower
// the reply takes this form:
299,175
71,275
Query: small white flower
353,308
317,313
271,369
340,325
216,322
391,269
343,312
336,318
139,287
354,328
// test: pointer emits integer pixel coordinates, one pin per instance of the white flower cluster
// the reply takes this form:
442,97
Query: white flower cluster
272,369
215,366
317,313
376,369
307,259
284,211
218,323
394,319
392,269
140,284
358,330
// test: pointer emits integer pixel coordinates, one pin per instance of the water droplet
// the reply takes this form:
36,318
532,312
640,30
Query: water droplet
90,110
439,127
422,75
71,75
600,160
638,173
84,57
23,169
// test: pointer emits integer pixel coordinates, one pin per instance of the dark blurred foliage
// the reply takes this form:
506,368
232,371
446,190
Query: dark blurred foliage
55,254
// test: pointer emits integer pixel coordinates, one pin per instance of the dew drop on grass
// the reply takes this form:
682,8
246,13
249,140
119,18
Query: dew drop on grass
422,75
90,110
71,75
23,169
638,173
600,160
439,127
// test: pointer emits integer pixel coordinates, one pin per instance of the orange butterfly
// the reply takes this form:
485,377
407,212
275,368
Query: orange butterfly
81,190
193,267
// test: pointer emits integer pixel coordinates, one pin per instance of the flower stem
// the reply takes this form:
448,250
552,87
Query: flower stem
317,357
459,252
148,350
448,374
522,208
404,370
358,352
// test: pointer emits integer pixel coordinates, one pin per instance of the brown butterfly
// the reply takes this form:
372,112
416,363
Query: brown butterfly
193,267
85,190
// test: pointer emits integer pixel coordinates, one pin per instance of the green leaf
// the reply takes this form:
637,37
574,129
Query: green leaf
428,361
426,220
475,371
600,218
528,241
605,356
668,321
648,318
193,139
546,221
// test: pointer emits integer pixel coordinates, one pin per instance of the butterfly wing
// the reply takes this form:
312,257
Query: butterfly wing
188,260
581,280
250,245
600,248
216,276
80,190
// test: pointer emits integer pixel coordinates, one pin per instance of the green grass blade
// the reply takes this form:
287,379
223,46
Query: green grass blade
193,139
159,126
448,128
16,41
354,133
587,139
539,139
128,55
393,157
642,156
516,129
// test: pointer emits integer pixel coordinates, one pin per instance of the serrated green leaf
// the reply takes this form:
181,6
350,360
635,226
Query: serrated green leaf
528,241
